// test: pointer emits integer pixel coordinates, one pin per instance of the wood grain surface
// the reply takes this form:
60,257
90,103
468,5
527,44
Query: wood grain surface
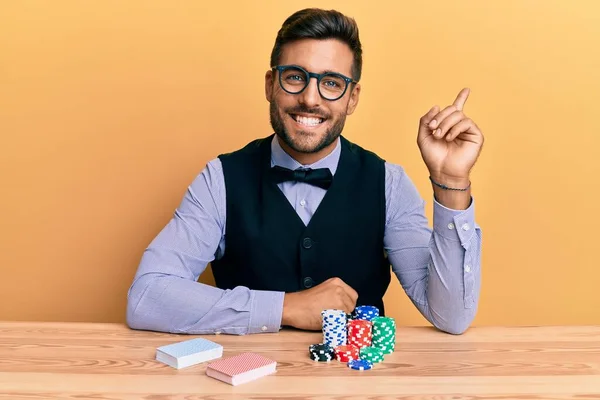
110,361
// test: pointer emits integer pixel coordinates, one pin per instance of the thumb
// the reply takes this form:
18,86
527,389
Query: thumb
424,129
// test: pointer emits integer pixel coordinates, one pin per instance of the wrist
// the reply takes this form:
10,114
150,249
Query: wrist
455,182
287,314
451,192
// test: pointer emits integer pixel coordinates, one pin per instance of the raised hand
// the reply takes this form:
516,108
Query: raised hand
449,142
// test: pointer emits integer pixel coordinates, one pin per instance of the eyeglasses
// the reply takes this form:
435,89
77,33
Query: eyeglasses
294,79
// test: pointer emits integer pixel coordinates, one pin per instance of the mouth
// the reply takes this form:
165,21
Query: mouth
308,121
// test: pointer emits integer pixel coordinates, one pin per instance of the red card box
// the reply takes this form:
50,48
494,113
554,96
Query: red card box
242,368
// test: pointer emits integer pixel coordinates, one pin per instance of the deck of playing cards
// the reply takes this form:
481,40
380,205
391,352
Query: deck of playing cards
242,368
189,352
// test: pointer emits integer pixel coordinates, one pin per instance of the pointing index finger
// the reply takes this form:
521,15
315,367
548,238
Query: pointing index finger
461,99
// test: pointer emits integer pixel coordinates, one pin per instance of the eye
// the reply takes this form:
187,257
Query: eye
333,82
294,77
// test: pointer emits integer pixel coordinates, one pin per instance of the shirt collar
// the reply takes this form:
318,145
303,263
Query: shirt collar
281,158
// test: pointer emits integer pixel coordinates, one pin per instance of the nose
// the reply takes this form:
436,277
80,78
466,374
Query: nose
310,96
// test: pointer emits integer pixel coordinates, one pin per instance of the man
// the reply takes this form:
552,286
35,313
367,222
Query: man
303,220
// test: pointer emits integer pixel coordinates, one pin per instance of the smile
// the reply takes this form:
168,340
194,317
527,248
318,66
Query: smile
307,121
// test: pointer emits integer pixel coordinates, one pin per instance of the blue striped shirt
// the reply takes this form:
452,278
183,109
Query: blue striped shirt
439,268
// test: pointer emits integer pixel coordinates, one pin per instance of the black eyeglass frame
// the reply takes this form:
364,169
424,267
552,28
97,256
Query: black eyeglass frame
318,77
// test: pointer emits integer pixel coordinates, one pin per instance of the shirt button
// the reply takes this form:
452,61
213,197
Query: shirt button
308,282
450,225
307,243
302,203
264,328
468,268
465,227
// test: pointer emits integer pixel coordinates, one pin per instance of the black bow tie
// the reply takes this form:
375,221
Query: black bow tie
320,177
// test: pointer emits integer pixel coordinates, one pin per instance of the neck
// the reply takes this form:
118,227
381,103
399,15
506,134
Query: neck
307,158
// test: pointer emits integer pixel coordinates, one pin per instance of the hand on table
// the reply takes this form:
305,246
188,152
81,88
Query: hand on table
302,310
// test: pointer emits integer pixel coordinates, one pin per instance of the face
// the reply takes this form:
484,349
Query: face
306,123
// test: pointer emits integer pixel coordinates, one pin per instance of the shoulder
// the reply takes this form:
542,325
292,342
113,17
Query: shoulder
394,173
363,153
209,182
400,191
395,179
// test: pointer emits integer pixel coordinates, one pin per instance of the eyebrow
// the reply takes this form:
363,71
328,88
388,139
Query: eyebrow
330,71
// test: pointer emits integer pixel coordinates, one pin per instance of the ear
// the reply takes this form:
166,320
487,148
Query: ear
269,85
353,102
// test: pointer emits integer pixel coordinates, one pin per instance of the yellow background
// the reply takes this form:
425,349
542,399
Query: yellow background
109,109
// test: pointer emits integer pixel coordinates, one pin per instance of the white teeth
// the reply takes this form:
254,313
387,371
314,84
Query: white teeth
308,120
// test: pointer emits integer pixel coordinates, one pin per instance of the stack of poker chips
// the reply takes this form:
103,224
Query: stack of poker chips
366,313
372,354
359,333
334,327
361,339
384,334
321,352
346,353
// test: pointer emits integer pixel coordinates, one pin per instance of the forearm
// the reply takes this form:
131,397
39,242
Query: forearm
170,303
439,268
431,265
165,295
454,277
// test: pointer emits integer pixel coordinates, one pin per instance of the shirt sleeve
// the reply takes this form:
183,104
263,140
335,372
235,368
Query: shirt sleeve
439,268
165,295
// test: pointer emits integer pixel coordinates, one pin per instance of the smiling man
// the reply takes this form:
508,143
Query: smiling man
304,220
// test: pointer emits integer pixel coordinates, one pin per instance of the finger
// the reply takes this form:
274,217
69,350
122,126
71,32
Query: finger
353,294
468,130
424,130
348,303
350,291
461,99
425,119
448,123
347,296
439,117
341,294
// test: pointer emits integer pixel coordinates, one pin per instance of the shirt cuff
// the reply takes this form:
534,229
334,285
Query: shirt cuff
452,224
266,312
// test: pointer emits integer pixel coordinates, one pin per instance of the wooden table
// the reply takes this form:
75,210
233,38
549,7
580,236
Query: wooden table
110,361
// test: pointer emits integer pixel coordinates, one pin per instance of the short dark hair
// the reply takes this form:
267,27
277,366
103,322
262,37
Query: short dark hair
315,23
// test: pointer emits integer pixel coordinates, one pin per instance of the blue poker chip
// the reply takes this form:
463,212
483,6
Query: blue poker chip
360,365
366,312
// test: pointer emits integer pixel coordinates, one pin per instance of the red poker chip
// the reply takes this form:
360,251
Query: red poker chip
360,333
345,353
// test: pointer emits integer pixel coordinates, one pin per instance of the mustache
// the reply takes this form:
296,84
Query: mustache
314,111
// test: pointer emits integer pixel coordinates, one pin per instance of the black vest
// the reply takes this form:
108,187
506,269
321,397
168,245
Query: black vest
267,245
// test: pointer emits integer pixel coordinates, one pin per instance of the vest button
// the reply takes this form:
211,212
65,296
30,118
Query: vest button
308,282
307,243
